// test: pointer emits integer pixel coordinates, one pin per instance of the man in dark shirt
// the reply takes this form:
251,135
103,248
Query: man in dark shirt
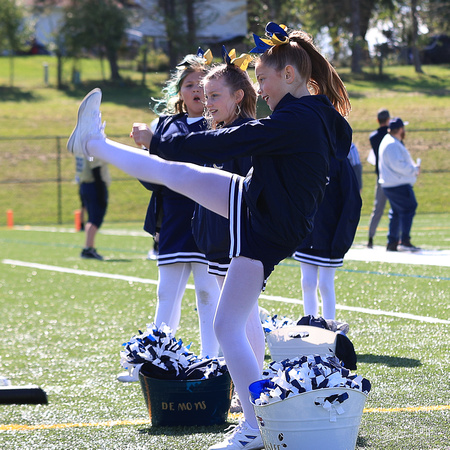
380,199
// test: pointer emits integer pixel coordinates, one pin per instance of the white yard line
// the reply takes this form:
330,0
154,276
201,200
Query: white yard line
274,298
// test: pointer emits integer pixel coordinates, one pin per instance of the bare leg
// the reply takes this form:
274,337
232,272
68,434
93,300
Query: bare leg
237,301
91,231
207,186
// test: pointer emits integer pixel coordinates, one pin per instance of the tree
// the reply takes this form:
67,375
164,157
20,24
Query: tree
11,32
96,25
437,13
181,19
43,8
259,12
346,18
414,36
403,34
356,37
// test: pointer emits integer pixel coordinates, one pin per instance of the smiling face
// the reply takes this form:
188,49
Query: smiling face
191,93
272,87
221,103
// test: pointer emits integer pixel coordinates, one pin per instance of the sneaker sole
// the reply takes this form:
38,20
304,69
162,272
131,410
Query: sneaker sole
127,378
81,108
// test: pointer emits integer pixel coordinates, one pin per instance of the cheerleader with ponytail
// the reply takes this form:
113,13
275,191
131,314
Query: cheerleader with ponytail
271,210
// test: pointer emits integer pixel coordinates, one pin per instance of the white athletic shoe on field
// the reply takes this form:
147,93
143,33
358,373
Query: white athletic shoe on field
89,124
241,437
4,381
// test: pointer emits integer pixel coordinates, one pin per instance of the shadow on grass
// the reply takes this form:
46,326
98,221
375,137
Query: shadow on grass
184,431
124,92
13,94
390,361
425,84
120,260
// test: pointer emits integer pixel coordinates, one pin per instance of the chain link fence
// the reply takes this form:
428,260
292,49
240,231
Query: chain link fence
38,179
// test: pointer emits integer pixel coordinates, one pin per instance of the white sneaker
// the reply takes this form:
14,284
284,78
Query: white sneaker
131,375
241,437
335,326
4,381
89,124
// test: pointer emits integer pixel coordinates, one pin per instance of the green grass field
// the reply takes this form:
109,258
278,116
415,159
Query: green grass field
63,325
36,121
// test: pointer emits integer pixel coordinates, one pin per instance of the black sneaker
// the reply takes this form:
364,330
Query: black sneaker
91,253
370,243
408,247
391,247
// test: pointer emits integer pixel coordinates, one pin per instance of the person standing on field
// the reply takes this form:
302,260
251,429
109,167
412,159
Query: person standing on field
94,180
379,203
398,173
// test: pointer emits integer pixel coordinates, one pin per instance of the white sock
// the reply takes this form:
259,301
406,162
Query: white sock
309,289
237,301
327,292
172,282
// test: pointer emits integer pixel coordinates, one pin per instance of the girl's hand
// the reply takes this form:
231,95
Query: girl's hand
141,134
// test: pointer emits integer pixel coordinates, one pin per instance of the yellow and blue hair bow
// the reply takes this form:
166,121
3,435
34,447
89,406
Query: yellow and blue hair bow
206,55
230,58
201,54
275,35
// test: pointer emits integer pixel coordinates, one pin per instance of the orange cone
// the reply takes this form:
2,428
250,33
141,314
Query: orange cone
77,215
10,218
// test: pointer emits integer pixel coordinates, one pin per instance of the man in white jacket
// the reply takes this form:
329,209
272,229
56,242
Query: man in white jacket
398,173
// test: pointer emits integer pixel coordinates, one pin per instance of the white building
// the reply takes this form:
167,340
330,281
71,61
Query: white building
218,21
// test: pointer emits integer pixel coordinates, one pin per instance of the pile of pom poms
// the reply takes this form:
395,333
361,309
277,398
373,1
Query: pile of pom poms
273,323
287,378
162,356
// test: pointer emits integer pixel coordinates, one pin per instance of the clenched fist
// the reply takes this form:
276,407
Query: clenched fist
141,134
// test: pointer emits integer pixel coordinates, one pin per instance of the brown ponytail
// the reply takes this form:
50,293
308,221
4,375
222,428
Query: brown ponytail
320,75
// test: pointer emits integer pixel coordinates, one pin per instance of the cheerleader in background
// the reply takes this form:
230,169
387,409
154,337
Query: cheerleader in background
169,214
323,250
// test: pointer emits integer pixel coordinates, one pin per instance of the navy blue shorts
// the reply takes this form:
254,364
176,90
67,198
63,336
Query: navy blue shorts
244,240
317,258
176,241
95,205
218,266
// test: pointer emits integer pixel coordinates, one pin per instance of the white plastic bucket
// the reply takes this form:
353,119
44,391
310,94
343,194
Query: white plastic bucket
300,340
297,423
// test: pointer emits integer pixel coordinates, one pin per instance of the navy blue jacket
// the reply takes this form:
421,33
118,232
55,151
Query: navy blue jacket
290,152
375,139
338,215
